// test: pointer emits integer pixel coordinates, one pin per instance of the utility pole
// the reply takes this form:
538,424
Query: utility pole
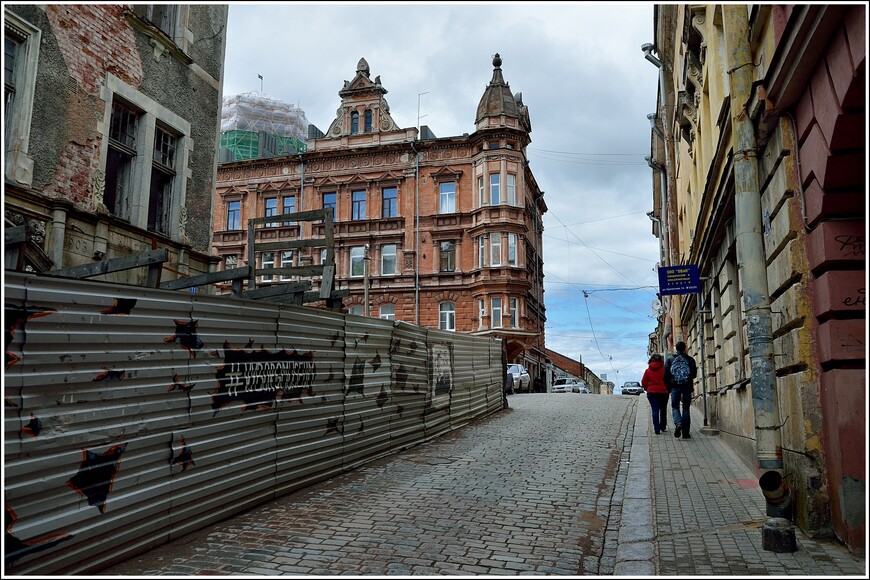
366,280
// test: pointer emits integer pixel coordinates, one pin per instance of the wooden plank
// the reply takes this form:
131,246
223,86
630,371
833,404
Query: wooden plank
210,278
327,281
277,290
289,244
334,297
291,271
302,216
152,257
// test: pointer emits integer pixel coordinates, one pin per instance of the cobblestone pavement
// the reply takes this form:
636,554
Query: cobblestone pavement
558,485
535,489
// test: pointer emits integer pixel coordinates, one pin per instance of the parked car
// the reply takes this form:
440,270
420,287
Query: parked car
631,388
519,379
564,385
580,387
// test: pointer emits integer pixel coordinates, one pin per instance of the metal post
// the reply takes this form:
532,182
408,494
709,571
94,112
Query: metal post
776,536
366,279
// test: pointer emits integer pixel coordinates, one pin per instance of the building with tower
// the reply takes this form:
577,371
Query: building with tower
441,232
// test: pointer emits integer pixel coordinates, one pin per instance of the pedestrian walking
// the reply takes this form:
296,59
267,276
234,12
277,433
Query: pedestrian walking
653,382
679,374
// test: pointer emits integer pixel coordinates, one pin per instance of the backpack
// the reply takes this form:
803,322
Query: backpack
680,371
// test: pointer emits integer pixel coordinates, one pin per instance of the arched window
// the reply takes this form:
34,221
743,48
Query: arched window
368,121
354,123
447,316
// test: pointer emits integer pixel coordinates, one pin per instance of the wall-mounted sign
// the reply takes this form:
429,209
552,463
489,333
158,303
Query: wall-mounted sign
679,280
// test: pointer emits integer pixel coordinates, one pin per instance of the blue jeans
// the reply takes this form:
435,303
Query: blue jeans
682,394
658,402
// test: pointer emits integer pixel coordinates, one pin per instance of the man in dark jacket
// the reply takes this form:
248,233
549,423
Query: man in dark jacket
680,372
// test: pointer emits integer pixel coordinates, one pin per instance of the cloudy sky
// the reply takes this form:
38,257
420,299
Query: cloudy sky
582,74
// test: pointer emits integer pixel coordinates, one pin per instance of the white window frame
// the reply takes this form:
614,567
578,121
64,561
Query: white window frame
389,262
270,209
481,252
511,189
512,249
447,199
481,200
18,118
286,262
356,309
447,316
515,312
356,205
495,249
140,176
267,260
292,208
495,312
357,258
481,312
387,311
494,188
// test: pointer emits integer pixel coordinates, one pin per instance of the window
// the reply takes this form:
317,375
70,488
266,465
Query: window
163,16
323,255
448,256
233,216
481,252
512,189
329,202
231,261
481,312
368,121
448,197
21,53
515,312
267,261
142,184
447,316
389,202
495,315
495,249
271,205
162,176
357,261
481,201
388,259
354,123
358,205
388,312
123,129
356,309
494,193
289,207
512,249
286,262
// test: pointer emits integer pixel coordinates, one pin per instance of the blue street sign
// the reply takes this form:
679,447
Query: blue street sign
679,280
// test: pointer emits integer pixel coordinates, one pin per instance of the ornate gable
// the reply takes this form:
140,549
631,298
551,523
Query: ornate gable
363,106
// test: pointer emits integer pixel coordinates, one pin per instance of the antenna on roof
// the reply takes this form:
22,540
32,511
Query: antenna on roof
261,82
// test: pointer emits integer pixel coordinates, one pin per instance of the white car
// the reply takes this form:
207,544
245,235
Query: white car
564,385
518,379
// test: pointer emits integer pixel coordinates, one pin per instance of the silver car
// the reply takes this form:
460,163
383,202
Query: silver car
631,388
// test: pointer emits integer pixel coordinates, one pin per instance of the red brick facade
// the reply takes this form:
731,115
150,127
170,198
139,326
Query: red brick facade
475,192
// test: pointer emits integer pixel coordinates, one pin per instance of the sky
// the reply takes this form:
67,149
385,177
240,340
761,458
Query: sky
588,88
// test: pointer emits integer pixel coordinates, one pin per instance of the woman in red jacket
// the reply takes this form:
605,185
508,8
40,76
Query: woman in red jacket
653,382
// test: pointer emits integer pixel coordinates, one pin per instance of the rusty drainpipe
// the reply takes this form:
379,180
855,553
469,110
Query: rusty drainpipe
778,533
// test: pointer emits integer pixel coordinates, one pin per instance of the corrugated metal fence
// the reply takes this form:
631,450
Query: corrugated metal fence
134,416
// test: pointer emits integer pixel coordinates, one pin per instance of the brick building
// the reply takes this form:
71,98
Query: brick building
450,228
111,135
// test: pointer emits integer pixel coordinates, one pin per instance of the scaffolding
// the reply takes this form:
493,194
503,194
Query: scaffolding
256,126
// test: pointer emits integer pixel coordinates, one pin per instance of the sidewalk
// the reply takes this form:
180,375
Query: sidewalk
715,528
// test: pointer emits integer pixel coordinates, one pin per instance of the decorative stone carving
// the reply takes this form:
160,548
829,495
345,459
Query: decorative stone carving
98,188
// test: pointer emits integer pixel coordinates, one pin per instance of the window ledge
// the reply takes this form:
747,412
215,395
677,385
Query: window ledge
159,40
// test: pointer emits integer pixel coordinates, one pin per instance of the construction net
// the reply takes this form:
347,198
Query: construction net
255,126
